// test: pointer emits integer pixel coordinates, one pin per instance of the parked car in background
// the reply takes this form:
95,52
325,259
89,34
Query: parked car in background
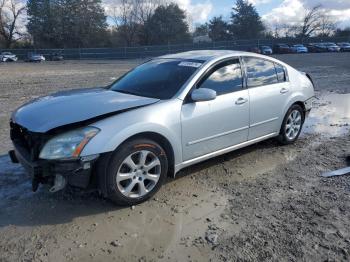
317,48
57,56
344,47
332,47
166,114
299,48
266,50
282,49
34,57
255,49
8,57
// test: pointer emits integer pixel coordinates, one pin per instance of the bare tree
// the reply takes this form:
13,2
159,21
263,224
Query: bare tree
129,15
328,25
11,12
311,22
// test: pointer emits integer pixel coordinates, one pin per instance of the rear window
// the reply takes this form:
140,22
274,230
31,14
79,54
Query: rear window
260,72
158,78
281,73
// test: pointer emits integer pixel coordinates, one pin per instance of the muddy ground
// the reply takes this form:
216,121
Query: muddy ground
263,203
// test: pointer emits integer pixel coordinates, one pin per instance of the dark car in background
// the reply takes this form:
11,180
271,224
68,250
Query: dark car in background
266,50
344,47
317,48
34,57
254,49
332,47
282,49
56,56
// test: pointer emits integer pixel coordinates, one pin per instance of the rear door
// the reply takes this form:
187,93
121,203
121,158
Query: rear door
269,89
213,125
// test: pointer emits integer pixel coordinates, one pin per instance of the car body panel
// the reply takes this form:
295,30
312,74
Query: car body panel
203,130
266,108
67,107
161,118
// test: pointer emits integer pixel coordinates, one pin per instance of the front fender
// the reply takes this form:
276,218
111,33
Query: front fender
162,119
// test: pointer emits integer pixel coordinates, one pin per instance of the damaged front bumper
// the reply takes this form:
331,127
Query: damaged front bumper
56,173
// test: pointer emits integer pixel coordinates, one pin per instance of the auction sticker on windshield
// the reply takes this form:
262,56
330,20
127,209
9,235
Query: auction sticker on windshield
191,64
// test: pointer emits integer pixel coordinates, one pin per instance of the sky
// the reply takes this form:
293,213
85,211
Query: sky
272,11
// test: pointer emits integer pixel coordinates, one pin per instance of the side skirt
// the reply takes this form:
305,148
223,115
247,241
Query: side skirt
222,151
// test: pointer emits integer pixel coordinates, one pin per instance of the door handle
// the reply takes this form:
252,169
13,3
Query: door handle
284,90
241,101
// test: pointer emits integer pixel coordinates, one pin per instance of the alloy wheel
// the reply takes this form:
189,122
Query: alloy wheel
293,124
138,174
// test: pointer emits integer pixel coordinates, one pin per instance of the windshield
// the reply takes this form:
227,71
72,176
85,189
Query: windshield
159,78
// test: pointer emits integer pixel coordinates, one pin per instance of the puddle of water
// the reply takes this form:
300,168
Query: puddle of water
14,183
155,229
330,115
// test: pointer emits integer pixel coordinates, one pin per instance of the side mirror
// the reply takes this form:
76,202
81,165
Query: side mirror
203,94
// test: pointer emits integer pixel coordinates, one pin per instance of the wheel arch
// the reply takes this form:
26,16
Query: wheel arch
301,104
298,100
104,160
162,141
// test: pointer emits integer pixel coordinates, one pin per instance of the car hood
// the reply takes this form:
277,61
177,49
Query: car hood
69,107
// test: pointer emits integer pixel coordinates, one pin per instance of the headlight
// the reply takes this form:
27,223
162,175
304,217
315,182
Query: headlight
69,144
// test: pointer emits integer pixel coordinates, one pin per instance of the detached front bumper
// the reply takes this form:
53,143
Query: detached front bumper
75,172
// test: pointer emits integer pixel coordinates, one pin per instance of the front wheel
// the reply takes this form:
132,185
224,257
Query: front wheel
292,125
136,172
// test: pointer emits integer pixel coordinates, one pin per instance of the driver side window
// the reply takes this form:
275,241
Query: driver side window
224,78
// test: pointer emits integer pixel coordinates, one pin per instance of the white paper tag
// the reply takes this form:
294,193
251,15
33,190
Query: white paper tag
191,64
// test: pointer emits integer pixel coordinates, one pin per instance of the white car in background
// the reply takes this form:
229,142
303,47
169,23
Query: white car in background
164,115
299,49
34,57
8,57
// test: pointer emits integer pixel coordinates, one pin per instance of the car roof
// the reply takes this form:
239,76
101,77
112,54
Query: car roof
205,55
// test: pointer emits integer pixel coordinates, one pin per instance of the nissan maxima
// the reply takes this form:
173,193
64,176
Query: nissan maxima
164,115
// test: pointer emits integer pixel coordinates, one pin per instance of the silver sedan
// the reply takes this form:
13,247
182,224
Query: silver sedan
164,115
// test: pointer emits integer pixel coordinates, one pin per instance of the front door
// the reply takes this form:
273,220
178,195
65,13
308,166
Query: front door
213,125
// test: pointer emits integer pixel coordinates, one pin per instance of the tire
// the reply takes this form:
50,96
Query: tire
135,187
287,136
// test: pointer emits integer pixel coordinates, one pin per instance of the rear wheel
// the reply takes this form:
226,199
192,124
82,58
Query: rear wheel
292,125
136,172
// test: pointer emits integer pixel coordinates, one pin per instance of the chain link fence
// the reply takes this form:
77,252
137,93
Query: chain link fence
158,50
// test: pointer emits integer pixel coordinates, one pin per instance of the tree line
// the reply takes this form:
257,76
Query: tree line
88,23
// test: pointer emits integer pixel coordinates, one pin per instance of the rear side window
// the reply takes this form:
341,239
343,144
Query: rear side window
260,72
281,73
224,78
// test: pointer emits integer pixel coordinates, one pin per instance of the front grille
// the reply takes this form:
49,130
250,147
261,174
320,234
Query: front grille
28,141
